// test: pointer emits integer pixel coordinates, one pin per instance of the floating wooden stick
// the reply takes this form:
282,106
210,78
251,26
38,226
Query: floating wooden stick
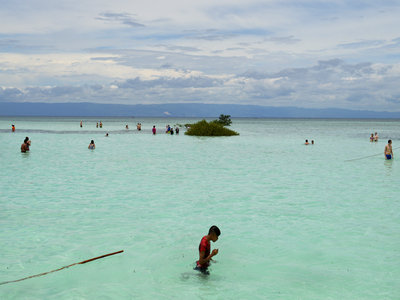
78,263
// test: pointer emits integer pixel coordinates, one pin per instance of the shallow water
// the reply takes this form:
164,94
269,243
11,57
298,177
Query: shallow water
297,222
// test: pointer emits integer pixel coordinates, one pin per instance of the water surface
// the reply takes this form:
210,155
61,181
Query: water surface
297,222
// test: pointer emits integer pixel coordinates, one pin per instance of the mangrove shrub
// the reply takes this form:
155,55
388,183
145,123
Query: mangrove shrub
204,128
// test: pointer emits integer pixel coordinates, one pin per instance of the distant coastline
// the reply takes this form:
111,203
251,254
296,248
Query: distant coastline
196,110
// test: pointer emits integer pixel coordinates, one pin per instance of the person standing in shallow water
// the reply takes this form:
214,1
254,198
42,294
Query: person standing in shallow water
376,137
25,145
154,130
92,146
13,128
389,150
80,124
205,248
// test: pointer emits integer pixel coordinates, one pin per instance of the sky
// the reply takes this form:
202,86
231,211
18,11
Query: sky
312,54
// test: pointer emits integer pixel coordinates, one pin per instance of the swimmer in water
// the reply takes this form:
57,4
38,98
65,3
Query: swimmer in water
376,137
388,150
306,143
371,138
80,124
126,127
107,134
25,145
101,124
154,130
204,250
97,125
312,142
177,130
12,128
92,146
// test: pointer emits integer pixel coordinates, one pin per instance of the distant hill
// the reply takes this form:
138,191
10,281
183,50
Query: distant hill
180,110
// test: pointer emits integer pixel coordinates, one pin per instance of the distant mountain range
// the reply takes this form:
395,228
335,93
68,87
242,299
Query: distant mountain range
180,110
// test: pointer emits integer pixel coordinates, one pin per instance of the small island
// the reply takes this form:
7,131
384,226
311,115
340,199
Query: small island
213,128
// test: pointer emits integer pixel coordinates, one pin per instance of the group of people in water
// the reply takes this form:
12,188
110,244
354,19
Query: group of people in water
374,138
307,143
169,130
205,253
388,152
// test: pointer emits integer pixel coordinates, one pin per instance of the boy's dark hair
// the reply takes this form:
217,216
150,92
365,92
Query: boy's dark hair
214,229
389,141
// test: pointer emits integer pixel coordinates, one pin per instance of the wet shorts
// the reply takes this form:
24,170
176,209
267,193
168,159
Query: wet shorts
388,156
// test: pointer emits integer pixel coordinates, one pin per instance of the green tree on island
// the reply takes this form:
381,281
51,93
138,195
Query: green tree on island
213,128
224,120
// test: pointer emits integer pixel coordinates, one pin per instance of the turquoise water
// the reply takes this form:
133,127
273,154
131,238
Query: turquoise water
297,222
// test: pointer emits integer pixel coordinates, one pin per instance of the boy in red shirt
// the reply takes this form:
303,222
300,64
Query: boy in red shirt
204,249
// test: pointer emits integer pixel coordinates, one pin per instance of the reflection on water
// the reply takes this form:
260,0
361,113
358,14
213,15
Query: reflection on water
388,164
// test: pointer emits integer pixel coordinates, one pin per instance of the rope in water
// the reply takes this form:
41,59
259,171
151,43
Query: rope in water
368,156
78,263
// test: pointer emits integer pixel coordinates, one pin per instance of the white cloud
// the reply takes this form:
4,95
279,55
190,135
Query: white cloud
253,51
327,84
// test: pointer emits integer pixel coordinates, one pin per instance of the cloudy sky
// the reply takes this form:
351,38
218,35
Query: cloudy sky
314,54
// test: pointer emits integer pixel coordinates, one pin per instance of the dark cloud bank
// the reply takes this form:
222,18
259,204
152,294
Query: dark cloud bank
326,85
